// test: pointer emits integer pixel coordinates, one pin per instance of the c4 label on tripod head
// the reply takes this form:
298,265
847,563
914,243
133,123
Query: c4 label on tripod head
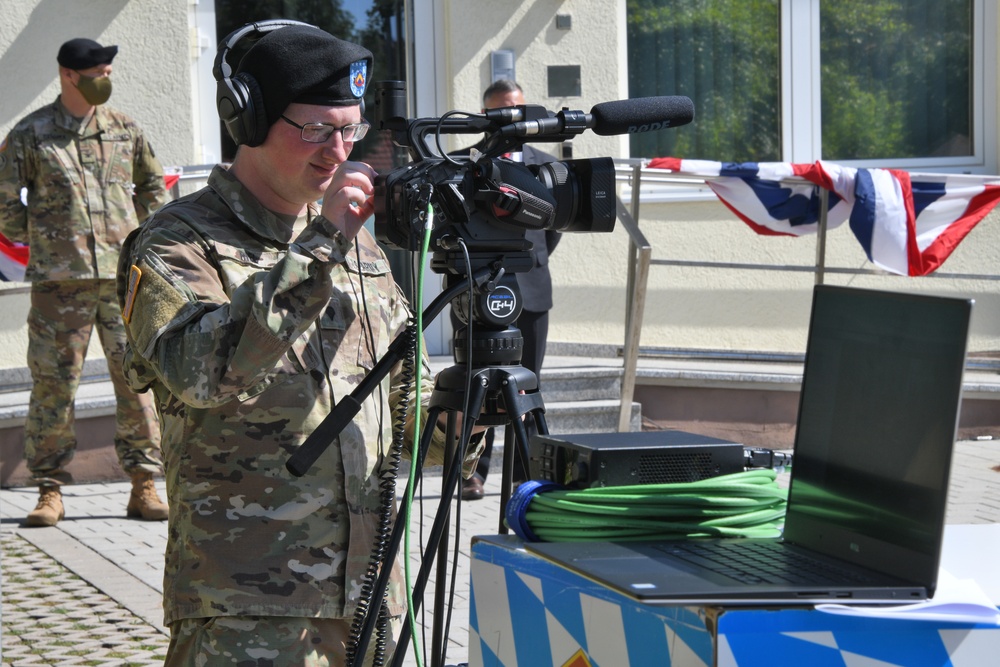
501,303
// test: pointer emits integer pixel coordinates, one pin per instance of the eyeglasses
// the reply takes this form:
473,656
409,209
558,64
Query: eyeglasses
317,133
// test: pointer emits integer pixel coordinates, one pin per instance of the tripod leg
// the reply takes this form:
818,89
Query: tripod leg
541,427
396,538
449,483
517,405
451,395
437,636
509,443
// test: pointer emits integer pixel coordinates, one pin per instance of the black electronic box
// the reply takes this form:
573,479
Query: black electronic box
621,459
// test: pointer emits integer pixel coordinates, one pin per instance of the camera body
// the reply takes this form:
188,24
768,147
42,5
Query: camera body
481,197
493,200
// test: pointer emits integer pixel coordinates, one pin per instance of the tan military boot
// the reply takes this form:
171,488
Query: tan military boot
144,503
49,509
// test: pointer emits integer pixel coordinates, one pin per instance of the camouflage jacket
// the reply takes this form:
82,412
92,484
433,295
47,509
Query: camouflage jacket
248,332
88,187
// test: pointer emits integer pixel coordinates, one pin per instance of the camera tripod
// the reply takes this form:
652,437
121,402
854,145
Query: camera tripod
489,395
495,399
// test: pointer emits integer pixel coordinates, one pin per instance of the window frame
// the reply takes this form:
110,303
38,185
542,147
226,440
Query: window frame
801,109
800,93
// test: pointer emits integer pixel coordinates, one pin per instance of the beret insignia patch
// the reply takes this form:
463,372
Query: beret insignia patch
359,77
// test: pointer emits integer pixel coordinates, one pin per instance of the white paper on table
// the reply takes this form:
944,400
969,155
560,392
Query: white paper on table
955,601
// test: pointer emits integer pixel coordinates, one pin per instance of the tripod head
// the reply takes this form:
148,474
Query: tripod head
484,314
486,309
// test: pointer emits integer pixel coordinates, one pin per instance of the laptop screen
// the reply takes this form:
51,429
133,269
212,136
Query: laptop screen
878,414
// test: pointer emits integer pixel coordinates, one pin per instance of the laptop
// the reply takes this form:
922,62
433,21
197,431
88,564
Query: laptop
878,414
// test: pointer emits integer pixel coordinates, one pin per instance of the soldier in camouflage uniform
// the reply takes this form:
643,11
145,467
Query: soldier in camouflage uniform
250,312
90,177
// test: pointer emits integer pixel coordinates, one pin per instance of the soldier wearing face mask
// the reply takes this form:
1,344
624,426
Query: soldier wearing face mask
89,177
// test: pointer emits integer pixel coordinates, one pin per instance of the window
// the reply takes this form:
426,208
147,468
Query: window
890,83
724,55
896,79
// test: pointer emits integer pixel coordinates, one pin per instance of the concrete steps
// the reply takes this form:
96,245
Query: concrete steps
749,402
580,383
584,399
578,399
592,416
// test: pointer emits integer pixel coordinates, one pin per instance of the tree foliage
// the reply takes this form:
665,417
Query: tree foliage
724,55
326,14
895,76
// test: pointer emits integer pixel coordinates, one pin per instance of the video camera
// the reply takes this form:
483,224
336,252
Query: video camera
484,203
485,198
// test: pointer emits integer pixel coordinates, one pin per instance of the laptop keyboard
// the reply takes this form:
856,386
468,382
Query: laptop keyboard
763,563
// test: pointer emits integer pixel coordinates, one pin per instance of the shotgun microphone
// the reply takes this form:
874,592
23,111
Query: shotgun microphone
642,114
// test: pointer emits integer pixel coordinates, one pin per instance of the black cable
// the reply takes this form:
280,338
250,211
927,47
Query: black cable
387,490
387,497
438,132
460,451
757,457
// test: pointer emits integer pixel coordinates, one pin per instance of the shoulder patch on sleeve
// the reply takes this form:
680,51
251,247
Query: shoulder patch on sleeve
134,275
155,304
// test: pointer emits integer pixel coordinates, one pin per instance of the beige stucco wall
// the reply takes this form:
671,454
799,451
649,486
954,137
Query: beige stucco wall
595,42
738,309
152,83
152,76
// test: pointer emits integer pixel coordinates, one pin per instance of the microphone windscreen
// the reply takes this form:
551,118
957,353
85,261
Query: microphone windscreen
641,114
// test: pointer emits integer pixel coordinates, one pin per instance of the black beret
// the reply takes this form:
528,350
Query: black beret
307,65
83,53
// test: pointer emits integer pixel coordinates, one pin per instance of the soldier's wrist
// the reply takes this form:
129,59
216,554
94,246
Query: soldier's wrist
322,241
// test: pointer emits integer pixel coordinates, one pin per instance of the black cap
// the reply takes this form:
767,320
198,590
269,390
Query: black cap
83,53
307,65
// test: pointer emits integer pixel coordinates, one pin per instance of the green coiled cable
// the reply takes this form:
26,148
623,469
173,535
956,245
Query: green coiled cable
743,504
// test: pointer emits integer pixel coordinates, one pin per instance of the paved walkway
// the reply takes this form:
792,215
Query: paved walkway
87,592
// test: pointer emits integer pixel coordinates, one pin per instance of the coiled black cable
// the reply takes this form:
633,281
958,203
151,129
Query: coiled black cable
388,474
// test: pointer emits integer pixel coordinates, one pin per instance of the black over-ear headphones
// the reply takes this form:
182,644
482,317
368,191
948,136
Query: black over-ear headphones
238,98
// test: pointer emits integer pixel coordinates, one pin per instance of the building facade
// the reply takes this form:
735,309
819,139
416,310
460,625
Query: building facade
764,90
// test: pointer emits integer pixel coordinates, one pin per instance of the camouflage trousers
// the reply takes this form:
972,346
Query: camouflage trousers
60,323
266,641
